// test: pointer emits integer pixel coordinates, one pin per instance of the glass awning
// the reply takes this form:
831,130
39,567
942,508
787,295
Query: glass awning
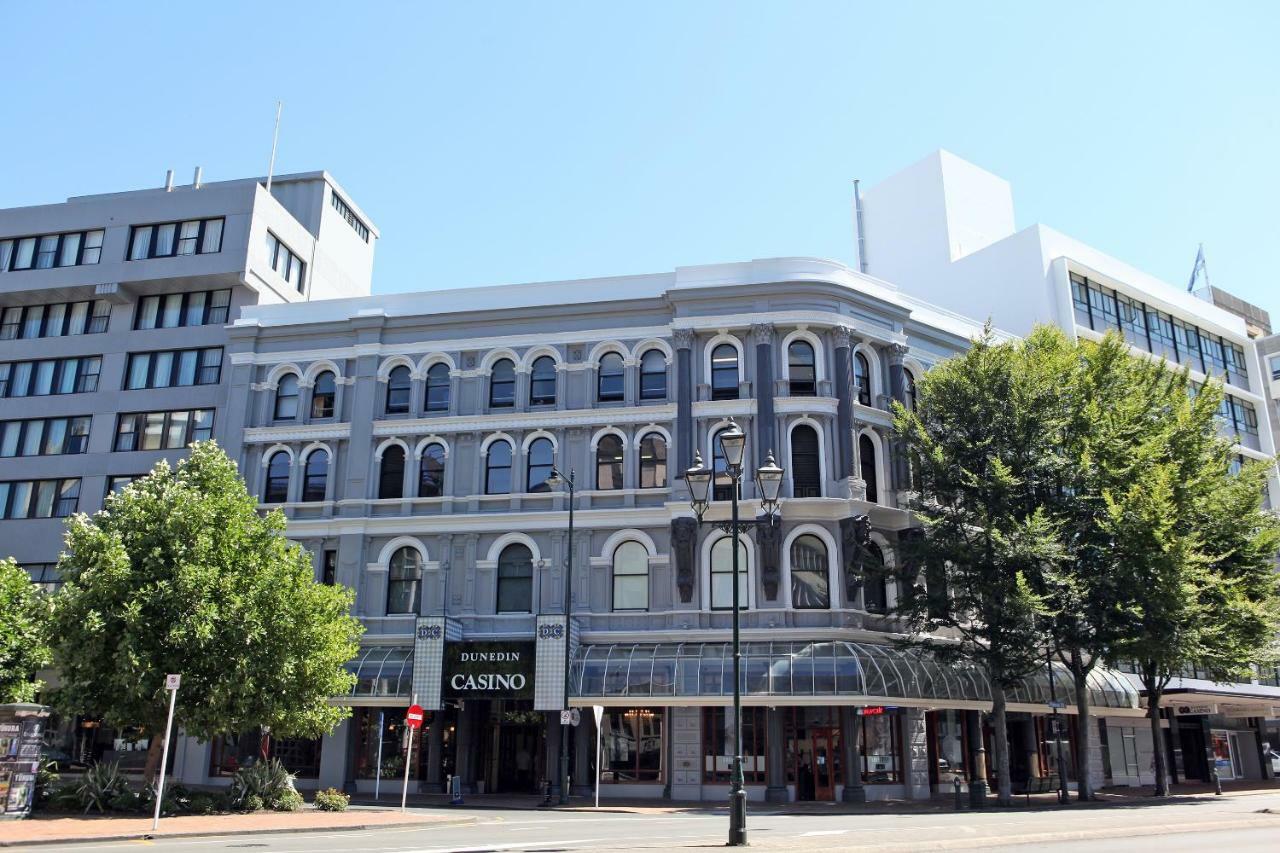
383,671
800,669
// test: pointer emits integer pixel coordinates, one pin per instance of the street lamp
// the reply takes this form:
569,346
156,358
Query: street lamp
733,443
556,480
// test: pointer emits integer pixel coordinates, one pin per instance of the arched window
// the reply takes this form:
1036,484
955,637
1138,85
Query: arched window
653,375
515,579
404,578
806,470
802,371
391,473
541,458
609,462
867,461
630,577
542,381
315,476
862,378
497,471
910,389
502,384
724,373
810,581
276,488
323,395
653,461
875,587
431,472
437,388
722,484
398,390
722,575
287,398
609,381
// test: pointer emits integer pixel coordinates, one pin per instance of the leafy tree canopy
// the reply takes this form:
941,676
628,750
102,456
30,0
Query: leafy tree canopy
24,618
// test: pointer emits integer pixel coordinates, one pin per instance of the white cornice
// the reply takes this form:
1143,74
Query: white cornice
527,420
295,432
805,405
724,408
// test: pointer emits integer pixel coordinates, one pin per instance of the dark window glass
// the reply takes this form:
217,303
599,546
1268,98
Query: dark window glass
497,474
630,577
1080,299
172,368
323,395
809,578
515,580
329,568
542,381
631,746
287,398
541,458
315,476
44,437
719,742
431,472
875,588
867,461
862,378
276,489
398,384
609,462
610,380
721,484
502,384
653,375
802,375
193,237
438,388
171,310
806,472
653,461
391,473
910,382
724,373
404,577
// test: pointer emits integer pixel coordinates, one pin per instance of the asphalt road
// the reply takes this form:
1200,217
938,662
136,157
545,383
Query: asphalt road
1234,823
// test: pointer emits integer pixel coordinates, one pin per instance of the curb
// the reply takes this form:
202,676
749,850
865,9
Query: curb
146,836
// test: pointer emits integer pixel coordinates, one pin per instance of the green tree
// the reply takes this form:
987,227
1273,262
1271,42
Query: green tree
24,619
179,573
985,443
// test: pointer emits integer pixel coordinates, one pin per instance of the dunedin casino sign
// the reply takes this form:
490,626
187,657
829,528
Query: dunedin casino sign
488,670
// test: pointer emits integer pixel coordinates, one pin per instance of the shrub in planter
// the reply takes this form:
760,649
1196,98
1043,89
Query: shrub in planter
100,785
251,803
332,800
126,801
201,803
287,801
266,780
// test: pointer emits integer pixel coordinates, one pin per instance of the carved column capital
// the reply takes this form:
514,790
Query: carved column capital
762,333
683,338
897,353
843,336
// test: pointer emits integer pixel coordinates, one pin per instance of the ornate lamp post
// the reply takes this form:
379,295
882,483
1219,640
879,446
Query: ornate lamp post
733,443
555,481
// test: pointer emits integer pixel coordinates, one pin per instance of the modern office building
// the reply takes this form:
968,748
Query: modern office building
944,229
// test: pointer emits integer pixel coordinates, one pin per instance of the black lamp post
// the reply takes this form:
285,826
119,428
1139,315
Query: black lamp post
733,443
554,481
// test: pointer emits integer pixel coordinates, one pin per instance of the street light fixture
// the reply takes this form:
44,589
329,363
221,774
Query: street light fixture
555,481
733,443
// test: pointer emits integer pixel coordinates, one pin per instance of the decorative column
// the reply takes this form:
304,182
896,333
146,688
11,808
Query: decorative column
431,782
851,756
899,470
685,441
915,745
762,336
977,760
846,455
775,769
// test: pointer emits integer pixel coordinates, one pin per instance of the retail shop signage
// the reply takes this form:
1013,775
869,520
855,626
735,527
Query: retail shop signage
876,710
489,670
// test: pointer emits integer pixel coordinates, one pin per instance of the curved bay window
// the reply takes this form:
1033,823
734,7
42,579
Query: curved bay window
802,372
653,461
630,577
875,581
724,372
515,579
722,575
391,472
324,393
542,381
276,488
609,462
315,475
810,580
610,380
653,375
862,378
497,469
437,398
287,398
502,384
398,383
431,472
541,459
806,469
867,467
404,579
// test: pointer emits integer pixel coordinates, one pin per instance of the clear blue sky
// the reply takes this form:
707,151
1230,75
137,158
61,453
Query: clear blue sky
505,142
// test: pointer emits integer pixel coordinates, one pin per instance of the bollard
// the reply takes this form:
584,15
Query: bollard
546,792
955,787
455,790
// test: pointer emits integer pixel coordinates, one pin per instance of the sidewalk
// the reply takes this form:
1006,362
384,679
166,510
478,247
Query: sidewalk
46,829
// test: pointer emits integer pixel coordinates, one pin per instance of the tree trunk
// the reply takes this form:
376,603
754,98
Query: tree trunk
154,750
1157,743
1004,793
1084,728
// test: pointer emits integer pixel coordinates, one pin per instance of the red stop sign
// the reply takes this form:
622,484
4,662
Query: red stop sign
413,719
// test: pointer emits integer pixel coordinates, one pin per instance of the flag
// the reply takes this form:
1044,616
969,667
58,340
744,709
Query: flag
1198,270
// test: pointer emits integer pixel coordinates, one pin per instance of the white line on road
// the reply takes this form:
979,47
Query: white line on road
823,832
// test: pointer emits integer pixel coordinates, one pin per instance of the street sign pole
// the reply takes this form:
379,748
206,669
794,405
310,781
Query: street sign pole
412,721
598,712
171,683
377,773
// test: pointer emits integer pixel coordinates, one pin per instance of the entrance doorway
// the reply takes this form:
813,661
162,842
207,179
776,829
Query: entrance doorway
825,742
512,748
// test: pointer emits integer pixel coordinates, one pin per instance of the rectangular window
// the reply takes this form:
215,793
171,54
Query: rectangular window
45,436
1102,304
1188,338
60,319
46,251
631,746
171,239
173,310
117,482
39,498
329,568
1237,373
1133,321
345,211
172,368
162,430
718,744
1080,299
286,262
50,377
1275,367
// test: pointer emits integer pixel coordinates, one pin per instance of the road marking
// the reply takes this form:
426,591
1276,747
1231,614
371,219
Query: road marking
484,848
824,832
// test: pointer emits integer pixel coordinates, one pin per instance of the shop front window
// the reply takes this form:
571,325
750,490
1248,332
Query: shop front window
718,745
881,746
229,753
384,727
949,746
631,745
813,752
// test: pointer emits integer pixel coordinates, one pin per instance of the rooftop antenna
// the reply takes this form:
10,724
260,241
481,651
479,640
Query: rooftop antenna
862,237
275,138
